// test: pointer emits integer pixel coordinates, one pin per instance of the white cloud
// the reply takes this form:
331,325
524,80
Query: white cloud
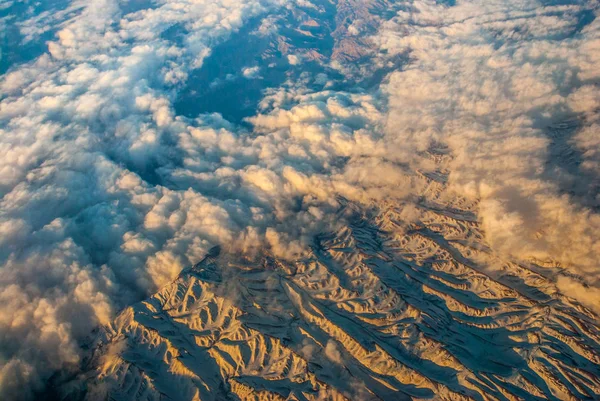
107,193
333,353
293,59
488,80
83,130
251,72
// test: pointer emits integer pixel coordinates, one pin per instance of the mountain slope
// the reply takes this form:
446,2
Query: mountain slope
401,302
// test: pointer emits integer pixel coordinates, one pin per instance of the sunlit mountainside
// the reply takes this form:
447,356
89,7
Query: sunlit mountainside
380,309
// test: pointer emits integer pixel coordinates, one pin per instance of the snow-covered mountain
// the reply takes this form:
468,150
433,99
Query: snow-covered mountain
402,302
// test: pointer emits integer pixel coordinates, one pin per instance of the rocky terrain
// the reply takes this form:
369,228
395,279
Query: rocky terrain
403,302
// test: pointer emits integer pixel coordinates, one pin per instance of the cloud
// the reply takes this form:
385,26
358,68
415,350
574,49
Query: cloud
490,80
87,134
251,72
106,193
293,59
333,353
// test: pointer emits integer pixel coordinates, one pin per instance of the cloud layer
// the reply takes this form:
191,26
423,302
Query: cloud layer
106,194
495,82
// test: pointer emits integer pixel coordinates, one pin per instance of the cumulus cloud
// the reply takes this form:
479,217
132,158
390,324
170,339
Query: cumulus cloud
107,194
251,72
88,135
293,59
490,80
332,352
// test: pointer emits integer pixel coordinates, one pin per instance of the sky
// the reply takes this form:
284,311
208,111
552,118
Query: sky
107,191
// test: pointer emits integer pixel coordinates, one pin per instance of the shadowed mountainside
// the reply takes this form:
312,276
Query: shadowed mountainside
388,307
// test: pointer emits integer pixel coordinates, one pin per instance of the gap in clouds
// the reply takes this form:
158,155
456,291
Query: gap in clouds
220,84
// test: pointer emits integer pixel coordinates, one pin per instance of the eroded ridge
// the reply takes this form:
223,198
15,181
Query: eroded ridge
387,307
